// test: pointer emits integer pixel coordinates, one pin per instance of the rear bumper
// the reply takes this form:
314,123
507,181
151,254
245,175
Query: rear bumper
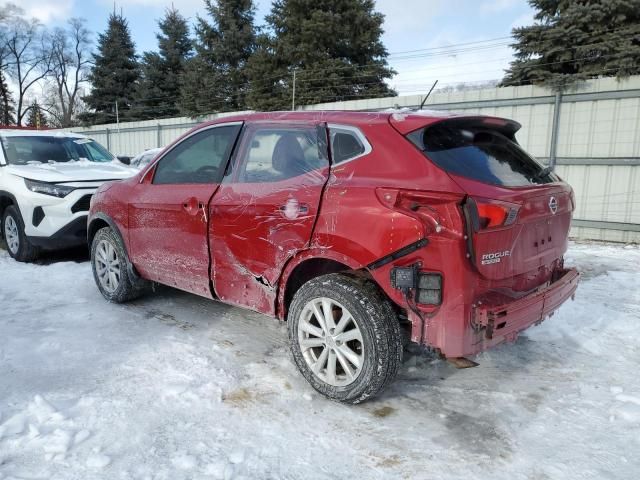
498,323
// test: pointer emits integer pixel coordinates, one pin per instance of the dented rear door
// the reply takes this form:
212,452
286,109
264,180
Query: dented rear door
265,210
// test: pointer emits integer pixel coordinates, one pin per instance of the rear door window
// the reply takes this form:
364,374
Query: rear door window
479,153
273,154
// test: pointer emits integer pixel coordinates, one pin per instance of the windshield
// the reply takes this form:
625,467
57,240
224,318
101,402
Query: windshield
144,158
480,153
29,149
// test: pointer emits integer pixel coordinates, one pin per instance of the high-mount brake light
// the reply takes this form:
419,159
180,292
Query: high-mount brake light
494,121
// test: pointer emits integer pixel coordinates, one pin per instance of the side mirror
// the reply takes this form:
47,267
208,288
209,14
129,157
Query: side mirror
124,159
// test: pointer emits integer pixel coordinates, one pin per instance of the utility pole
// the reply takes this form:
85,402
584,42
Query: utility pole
293,98
117,119
555,127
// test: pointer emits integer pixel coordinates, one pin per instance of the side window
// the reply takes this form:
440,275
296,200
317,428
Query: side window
272,154
347,143
200,158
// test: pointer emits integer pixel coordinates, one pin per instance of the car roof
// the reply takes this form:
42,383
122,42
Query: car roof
355,117
25,132
403,120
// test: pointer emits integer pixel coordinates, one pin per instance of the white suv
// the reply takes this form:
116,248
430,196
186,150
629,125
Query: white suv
46,183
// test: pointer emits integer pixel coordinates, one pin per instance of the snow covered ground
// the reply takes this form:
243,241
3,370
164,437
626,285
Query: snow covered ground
174,386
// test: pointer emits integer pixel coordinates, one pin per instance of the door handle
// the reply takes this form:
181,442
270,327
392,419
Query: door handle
292,209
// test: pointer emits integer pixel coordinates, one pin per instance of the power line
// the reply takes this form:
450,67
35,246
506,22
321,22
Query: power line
453,45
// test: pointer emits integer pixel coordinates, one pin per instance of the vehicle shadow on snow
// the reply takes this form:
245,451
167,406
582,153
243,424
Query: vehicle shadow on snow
76,254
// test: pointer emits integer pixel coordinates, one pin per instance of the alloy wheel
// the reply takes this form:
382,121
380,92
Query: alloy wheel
331,342
11,234
108,267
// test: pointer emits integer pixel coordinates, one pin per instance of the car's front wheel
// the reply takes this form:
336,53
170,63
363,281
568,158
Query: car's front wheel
111,270
17,242
345,337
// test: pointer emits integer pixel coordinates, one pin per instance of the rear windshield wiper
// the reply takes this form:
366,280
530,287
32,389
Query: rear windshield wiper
542,173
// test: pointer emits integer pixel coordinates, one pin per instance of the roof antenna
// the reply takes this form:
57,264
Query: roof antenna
431,90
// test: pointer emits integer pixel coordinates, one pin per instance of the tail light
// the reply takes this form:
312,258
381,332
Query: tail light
488,214
438,211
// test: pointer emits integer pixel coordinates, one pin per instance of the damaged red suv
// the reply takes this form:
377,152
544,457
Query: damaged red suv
362,230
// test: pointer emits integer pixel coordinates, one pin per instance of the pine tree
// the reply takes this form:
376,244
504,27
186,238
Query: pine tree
216,78
159,90
114,75
574,40
36,117
334,46
7,104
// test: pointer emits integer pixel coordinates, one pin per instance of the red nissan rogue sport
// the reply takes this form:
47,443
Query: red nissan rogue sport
362,230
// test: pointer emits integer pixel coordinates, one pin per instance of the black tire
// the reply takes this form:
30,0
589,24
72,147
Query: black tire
26,251
379,327
128,287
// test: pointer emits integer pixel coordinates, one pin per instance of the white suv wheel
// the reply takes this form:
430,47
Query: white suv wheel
11,234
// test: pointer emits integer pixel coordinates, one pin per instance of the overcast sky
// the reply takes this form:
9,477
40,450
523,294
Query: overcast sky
410,25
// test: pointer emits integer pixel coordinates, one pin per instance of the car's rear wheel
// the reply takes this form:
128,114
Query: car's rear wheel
345,337
111,269
17,242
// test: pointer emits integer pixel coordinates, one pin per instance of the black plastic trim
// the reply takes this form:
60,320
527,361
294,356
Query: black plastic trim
82,204
38,216
71,235
77,181
13,201
472,224
404,251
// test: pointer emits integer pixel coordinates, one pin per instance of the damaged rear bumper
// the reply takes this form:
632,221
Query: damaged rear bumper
504,322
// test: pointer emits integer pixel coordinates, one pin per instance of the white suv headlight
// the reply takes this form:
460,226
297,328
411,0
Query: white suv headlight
52,189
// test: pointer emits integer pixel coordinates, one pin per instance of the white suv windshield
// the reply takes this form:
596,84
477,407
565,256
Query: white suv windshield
23,150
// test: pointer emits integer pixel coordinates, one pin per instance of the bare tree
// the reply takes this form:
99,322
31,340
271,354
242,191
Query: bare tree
8,13
27,57
70,62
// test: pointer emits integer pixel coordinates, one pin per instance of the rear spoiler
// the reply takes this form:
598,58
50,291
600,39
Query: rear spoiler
406,123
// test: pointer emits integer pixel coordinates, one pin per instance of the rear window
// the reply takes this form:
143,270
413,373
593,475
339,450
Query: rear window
479,153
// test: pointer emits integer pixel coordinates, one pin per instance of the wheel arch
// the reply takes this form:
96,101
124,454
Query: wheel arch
6,199
101,220
307,266
97,222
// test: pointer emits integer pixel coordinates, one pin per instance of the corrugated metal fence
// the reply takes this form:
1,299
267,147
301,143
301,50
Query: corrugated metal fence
593,131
